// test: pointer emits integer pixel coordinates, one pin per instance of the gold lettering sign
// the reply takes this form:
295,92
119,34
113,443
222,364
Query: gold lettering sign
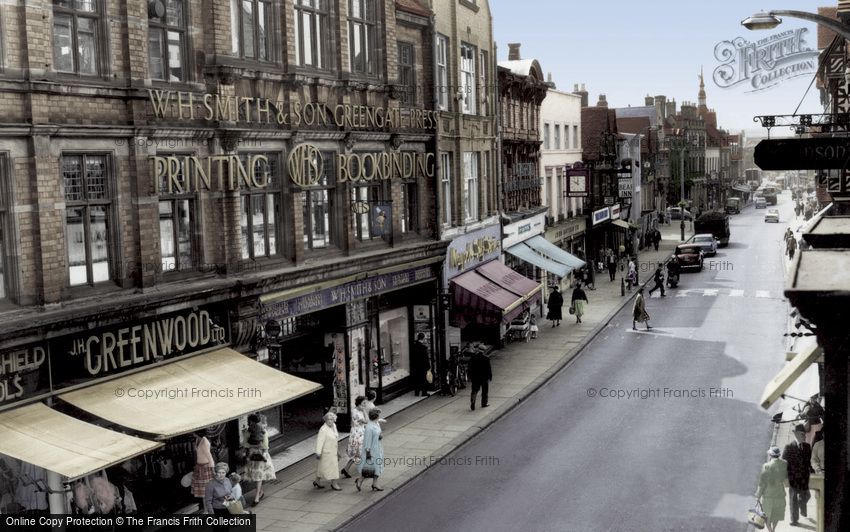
305,165
475,250
184,105
181,174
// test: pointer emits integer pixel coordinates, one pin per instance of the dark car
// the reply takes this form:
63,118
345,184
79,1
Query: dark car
690,256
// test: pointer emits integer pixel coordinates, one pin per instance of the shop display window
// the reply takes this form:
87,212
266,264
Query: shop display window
394,346
22,487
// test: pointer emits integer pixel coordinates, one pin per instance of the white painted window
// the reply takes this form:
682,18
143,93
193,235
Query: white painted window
470,185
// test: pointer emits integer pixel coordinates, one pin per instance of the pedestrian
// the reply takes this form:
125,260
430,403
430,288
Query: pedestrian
236,493
372,453
611,262
217,492
369,404
771,490
203,471
327,453
578,302
556,301
798,455
656,238
791,244
355,437
658,277
420,365
534,328
639,313
260,467
818,464
480,374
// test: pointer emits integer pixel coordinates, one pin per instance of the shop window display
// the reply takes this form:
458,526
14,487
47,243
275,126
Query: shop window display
22,487
394,346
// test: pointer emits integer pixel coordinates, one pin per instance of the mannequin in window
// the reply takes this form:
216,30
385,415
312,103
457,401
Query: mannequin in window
203,471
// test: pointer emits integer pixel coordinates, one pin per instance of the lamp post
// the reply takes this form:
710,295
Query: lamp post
767,20
680,143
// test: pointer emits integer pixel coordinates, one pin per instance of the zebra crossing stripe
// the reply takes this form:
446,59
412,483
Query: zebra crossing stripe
710,292
763,293
736,293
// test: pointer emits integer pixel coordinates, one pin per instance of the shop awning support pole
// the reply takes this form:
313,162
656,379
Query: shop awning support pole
56,499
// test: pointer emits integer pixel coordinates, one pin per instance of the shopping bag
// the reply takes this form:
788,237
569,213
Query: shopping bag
755,516
429,377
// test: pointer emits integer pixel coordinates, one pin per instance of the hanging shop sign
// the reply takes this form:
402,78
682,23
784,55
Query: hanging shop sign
625,186
601,215
24,373
803,154
381,220
615,211
112,350
468,251
243,110
346,293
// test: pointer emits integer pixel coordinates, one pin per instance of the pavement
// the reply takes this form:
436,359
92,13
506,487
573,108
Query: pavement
804,387
428,430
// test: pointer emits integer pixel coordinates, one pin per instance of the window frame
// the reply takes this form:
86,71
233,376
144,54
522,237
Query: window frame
108,205
441,57
237,30
165,53
194,224
7,264
547,136
470,186
75,14
318,18
329,186
368,36
377,191
410,222
446,187
556,136
468,78
484,100
408,94
272,191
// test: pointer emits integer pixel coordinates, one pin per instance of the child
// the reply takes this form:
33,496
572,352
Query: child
236,492
534,328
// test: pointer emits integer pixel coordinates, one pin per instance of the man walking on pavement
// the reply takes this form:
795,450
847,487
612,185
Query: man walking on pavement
611,261
659,280
480,373
799,456
419,366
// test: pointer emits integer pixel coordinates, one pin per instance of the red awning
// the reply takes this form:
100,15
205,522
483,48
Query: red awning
492,294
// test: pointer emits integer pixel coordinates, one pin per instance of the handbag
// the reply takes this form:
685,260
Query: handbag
572,309
755,516
429,377
256,456
234,506
368,471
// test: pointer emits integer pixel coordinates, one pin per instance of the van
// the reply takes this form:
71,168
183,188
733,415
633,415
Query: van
733,206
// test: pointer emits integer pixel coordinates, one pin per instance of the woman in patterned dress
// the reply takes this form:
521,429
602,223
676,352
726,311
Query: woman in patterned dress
203,471
260,467
355,438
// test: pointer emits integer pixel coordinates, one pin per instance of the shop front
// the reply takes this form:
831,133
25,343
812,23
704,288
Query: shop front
609,232
122,404
350,335
485,294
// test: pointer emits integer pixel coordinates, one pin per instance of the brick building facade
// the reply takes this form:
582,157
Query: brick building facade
272,158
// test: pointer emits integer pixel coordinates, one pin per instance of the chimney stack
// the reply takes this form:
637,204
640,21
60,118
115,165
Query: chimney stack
603,102
513,51
581,93
649,101
549,82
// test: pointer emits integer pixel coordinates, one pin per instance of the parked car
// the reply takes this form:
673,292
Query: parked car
707,242
690,256
761,203
676,213
772,215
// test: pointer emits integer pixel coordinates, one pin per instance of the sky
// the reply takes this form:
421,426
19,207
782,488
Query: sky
627,49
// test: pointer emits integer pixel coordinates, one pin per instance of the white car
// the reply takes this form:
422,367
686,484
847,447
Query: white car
706,242
772,215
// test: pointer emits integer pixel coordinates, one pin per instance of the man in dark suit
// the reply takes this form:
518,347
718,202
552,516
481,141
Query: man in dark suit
480,373
798,455
420,363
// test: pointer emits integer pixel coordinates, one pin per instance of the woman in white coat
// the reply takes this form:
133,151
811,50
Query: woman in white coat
327,453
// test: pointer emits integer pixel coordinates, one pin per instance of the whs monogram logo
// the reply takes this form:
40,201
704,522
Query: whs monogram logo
305,165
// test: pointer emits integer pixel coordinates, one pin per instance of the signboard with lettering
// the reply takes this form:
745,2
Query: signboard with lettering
469,250
601,215
803,154
523,230
111,350
24,373
625,186
345,293
615,212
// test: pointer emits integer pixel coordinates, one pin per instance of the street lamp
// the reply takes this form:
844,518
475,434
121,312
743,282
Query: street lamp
767,20
681,143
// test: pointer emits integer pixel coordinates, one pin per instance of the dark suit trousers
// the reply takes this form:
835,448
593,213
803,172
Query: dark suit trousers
799,500
484,386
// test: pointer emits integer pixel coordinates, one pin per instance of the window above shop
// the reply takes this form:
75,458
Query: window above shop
363,40
167,40
252,29
77,36
311,33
